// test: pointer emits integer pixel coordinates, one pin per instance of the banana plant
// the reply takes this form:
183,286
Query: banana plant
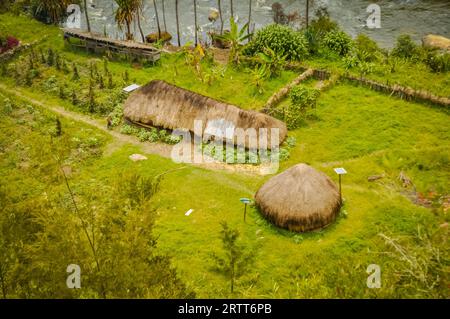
274,62
234,39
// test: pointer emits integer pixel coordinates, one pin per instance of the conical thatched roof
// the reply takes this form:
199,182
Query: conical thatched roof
299,199
164,105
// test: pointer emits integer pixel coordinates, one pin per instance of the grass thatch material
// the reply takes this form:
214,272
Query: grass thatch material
164,105
299,199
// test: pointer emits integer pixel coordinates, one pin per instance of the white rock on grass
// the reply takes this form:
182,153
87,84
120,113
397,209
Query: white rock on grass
138,158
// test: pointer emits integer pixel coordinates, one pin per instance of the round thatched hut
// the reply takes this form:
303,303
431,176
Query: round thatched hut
300,199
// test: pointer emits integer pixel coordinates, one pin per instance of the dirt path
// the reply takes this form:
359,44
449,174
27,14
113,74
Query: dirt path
120,140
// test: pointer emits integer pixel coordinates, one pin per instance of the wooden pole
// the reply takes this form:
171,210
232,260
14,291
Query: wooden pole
178,22
307,13
195,22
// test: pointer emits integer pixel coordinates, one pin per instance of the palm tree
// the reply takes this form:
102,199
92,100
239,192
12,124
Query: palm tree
125,14
234,38
87,16
157,19
178,22
195,22
53,8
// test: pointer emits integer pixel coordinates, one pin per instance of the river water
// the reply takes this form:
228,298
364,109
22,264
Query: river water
413,17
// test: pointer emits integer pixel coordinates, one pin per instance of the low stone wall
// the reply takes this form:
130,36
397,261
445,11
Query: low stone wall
400,91
281,94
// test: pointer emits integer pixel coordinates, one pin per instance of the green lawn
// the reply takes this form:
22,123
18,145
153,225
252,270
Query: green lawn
368,133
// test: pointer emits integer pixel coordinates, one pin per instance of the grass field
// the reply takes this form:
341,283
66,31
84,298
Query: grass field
368,133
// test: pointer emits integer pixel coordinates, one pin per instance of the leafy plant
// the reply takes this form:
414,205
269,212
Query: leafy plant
367,49
235,38
259,75
281,39
274,63
338,42
236,259
439,62
302,99
405,48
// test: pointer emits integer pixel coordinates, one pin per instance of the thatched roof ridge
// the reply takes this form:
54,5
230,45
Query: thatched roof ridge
164,105
299,199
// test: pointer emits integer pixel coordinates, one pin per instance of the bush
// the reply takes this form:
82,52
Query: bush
7,43
405,48
282,40
154,135
323,24
439,62
7,107
144,135
366,49
338,42
302,99
128,130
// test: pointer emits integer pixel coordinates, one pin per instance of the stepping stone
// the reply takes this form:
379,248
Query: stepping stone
138,158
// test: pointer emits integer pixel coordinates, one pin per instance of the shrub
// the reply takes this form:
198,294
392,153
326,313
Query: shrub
7,106
366,49
323,24
154,135
172,139
284,154
271,62
439,62
283,40
128,130
291,142
302,99
351,61
144,135
405,47
7,43
338,42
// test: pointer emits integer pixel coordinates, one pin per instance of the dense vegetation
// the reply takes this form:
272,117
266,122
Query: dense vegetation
70,194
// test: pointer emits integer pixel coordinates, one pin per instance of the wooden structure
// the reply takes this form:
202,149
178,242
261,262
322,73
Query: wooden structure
99,43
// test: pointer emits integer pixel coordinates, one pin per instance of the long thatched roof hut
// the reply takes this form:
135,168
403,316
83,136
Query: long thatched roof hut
300,199
164,105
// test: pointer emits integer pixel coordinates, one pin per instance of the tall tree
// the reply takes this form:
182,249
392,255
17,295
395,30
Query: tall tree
195,22
87,16
221,16
54,9
178,22
249,16
139,12
307,13
232,9
236,259
125,14
164,14
157,19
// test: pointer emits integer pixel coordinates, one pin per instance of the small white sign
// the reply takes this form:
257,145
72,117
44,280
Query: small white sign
131,88
340,171
190,211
